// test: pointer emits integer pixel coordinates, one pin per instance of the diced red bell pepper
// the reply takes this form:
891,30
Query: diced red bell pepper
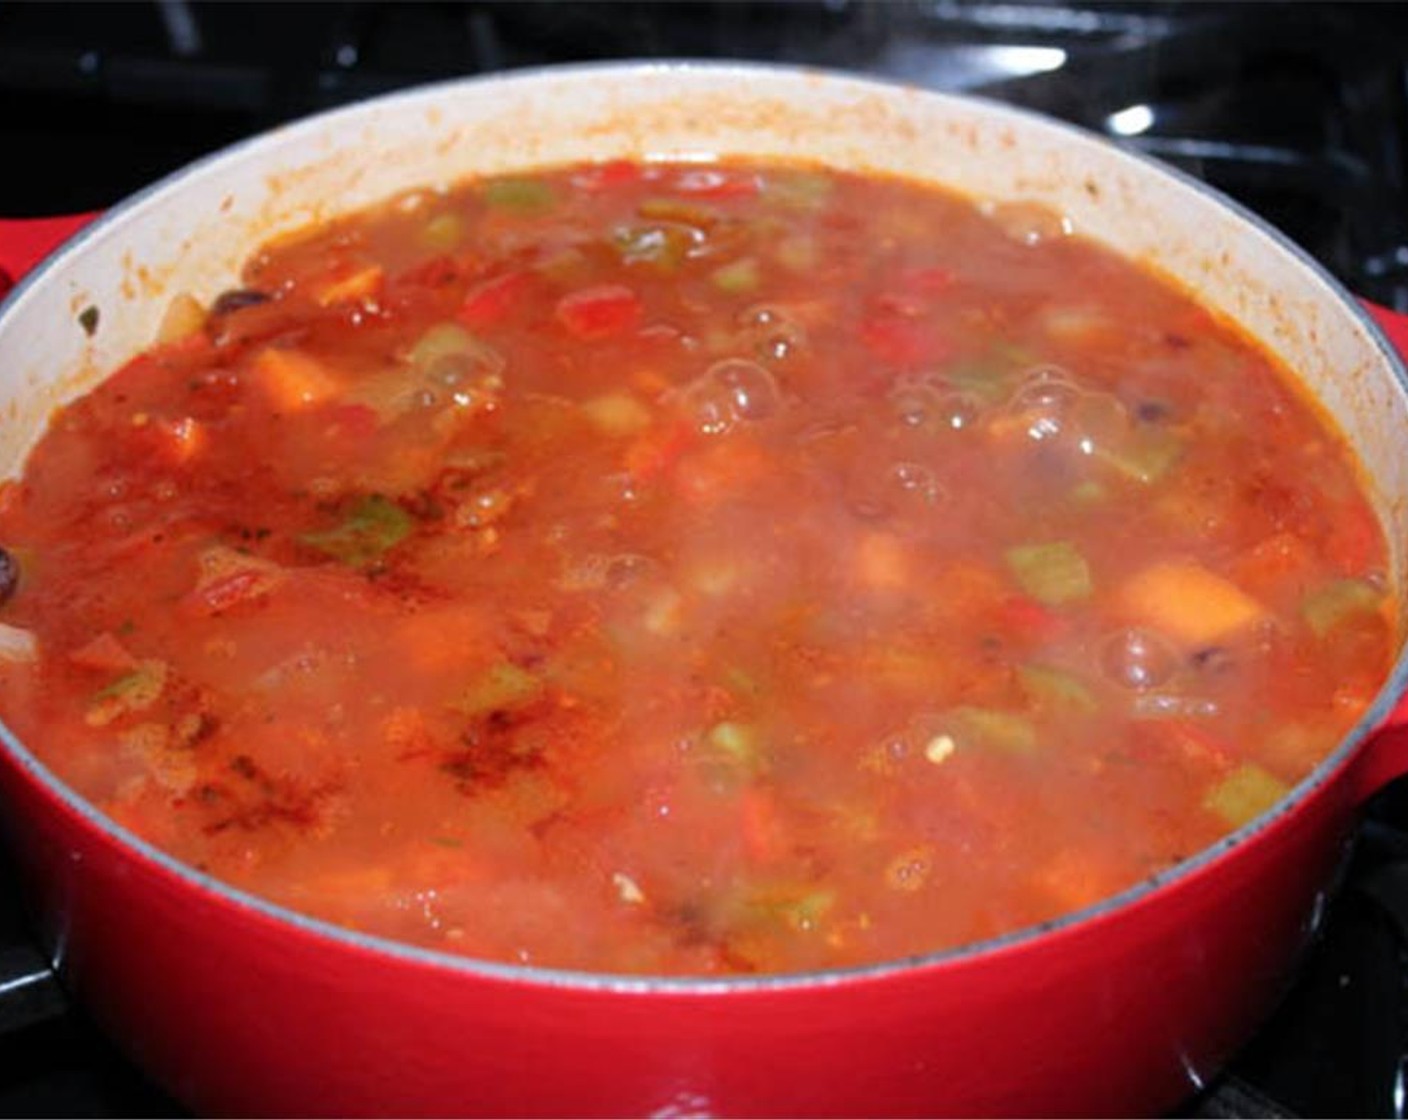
356,421
895,340
1027,620
901,304
104,652
604,176
894,330
490,302
225,592
600,311
927,281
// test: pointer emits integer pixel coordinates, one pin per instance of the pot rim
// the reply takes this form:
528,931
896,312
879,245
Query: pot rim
581,980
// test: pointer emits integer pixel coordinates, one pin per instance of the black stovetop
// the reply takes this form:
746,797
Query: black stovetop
1299,111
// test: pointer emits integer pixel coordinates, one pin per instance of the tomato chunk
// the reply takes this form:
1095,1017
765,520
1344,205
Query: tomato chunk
492,301
929,280
898,341
605,176
600,311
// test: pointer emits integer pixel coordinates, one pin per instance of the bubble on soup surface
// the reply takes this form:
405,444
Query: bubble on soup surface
731,392
1050,407
1137,659
915,481
1043,402
448,355
927,402
957,410
914,403
771,332
895,489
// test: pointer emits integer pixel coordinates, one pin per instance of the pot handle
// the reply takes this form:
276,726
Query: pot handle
1385,755
24,242
1393,323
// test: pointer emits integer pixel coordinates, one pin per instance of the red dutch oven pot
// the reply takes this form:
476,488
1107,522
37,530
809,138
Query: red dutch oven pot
238,1006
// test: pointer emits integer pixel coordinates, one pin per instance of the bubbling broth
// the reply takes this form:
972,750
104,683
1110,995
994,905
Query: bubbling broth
681,569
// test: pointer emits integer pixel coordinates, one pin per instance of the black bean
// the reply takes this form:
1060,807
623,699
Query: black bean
238,298
1212,659
1151,412
9,575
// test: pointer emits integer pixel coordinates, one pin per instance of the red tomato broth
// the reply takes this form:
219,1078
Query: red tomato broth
692,570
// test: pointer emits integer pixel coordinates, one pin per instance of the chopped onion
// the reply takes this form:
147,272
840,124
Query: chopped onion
184,317
17,644
1029,223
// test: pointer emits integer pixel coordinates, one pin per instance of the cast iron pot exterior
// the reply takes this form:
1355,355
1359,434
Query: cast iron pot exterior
241,1007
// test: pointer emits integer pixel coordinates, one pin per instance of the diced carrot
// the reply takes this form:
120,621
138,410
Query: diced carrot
445,860
600,311
350,287
883,561
293,379
655,452
103,652
1076,878
444,638
366,884
761,825
1187,602
650,383
406,732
